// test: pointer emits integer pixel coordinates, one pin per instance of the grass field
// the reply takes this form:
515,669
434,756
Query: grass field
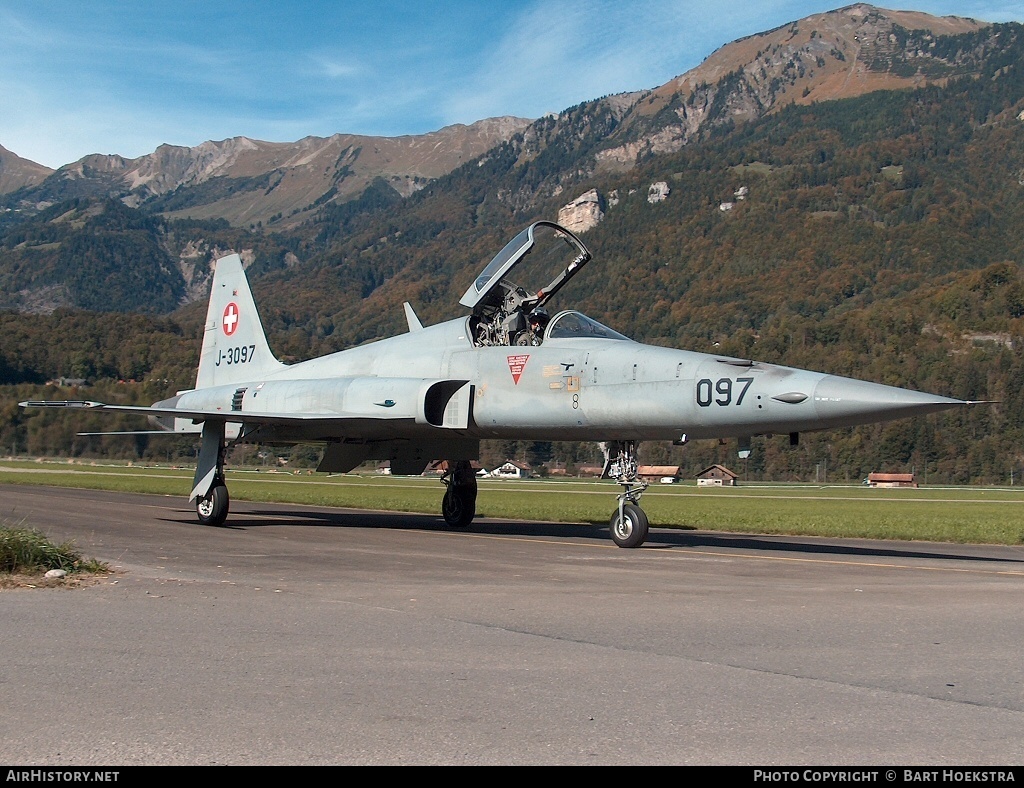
981,515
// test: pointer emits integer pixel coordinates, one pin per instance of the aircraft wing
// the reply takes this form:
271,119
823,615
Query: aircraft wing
199,415
409,431
358,407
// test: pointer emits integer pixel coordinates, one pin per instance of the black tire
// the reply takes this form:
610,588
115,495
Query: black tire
213,509
631,530
458,507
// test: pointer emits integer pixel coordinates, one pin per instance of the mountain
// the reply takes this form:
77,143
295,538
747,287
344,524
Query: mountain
277,186
18,173
253,183
839,54
836,55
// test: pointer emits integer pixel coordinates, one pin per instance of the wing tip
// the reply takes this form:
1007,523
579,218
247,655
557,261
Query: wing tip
60,403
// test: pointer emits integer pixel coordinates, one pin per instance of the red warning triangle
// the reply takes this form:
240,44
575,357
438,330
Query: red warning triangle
516,365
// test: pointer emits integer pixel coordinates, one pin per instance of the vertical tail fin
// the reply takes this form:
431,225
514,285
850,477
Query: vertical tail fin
235,346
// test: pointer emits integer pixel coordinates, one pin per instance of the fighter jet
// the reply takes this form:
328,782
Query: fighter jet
506,370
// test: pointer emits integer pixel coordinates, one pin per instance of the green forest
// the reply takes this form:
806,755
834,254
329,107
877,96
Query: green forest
880,237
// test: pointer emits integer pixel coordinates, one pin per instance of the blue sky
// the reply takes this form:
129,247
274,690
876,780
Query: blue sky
99,76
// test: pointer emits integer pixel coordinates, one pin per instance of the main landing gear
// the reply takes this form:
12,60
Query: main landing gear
629,525
209,490
459,503
212,509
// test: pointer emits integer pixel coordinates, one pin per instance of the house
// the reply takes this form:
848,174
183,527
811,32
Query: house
891,480
716,475
511,469
653,473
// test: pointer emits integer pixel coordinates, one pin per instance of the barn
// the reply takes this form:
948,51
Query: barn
716,475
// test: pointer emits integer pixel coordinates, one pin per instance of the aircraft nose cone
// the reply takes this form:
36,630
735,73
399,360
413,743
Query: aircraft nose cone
848,402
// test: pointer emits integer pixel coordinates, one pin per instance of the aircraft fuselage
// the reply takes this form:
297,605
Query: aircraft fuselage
564,389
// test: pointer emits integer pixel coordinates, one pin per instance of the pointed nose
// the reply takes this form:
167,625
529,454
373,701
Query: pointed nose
847,402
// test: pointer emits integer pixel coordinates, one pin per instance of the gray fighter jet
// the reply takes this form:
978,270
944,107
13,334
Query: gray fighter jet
506,370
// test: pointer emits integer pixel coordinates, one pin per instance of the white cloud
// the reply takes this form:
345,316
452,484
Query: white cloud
336,70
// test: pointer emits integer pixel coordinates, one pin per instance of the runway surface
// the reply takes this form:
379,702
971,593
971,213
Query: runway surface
300,635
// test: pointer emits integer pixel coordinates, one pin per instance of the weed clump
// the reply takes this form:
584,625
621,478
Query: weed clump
27,550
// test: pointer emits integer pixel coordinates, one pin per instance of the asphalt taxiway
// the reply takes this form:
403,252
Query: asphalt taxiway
301,635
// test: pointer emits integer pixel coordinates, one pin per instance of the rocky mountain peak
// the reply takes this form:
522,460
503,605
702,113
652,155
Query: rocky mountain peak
837,54
254,182
16,172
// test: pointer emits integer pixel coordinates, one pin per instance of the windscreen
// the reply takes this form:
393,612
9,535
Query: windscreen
576,325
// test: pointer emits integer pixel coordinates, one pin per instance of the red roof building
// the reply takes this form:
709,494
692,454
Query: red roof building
891,480
717,475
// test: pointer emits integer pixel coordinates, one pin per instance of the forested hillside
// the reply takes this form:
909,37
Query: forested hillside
880,237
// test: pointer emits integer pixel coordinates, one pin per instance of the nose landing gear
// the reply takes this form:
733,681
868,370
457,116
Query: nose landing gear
629,524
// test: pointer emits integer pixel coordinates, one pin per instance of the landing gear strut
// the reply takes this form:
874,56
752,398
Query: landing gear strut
209,490
458,507
629,524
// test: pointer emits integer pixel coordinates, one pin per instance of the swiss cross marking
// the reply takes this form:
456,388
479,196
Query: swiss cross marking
516,365
230,321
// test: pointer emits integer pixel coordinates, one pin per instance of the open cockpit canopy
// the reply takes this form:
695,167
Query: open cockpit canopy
543,257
